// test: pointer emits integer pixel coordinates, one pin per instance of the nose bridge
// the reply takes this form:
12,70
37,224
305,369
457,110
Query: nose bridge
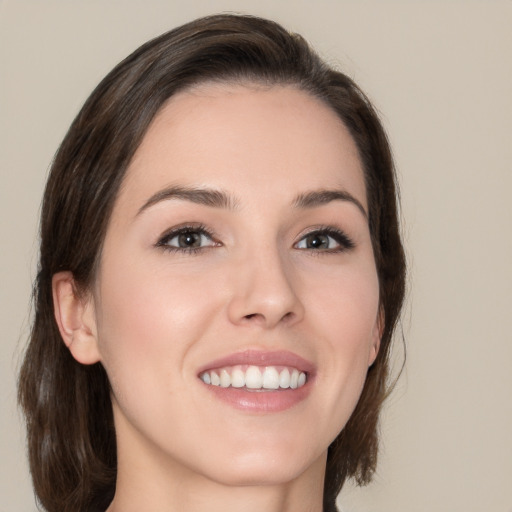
264,288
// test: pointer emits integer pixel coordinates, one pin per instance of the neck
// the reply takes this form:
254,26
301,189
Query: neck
219,498
196,494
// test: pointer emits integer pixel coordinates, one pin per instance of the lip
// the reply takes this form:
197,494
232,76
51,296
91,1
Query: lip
262,358
268,401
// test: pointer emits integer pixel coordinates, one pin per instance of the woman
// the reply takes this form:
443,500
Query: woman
220,276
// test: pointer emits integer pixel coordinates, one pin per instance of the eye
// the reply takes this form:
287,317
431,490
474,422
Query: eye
187,239
325,240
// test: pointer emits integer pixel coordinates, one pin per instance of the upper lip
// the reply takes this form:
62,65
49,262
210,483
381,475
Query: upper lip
262,358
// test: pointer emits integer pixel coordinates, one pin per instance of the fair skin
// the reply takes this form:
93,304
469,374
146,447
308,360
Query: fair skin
279,276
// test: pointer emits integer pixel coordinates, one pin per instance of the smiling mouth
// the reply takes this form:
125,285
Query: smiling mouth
255,378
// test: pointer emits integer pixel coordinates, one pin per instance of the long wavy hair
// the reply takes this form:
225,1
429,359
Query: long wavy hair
70,427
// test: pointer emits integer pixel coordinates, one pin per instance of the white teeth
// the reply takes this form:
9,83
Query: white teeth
270,378
238,378
255,377
284,379
215,379
294,379
225,379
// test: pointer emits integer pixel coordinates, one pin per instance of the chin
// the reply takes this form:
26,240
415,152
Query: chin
264,468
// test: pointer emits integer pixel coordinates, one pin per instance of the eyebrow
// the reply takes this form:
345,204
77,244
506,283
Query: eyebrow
204,196
321,197
219,199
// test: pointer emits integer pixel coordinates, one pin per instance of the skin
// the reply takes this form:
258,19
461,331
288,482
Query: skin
156,314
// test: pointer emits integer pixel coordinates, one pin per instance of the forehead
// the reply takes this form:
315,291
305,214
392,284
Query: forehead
248,140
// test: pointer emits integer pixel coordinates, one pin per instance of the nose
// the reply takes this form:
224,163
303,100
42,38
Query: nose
264,292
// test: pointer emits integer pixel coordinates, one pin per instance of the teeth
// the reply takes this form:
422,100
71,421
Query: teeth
284,379
238,378
270,378
225,379
254,377
294,379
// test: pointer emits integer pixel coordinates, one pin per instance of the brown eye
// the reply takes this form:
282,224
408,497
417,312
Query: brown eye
187,239
317,241
328,240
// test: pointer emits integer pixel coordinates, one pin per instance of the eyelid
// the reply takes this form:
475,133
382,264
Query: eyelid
187,227
345,243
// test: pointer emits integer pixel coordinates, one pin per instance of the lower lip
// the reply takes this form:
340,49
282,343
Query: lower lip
260,401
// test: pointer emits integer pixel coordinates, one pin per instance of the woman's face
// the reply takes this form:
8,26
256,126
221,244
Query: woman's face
237,264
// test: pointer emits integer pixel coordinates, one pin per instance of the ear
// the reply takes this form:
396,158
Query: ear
378,329
75,317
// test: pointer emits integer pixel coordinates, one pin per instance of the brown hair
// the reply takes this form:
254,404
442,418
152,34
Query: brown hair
71,436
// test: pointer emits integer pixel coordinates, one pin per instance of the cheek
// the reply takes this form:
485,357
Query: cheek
148,317
347,319
346,304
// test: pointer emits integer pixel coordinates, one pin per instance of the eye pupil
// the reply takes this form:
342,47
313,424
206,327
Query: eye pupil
189,239
317,241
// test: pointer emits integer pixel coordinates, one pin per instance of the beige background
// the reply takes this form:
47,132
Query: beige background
441,74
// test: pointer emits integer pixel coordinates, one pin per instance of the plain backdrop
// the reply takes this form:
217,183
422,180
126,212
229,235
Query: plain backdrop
440,72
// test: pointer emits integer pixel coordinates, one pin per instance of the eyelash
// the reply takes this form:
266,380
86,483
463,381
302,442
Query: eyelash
199,229
344,242
341,238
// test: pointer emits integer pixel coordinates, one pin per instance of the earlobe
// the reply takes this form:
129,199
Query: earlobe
75,317
378,329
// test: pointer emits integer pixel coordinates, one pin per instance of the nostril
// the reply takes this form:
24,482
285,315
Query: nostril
254,316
